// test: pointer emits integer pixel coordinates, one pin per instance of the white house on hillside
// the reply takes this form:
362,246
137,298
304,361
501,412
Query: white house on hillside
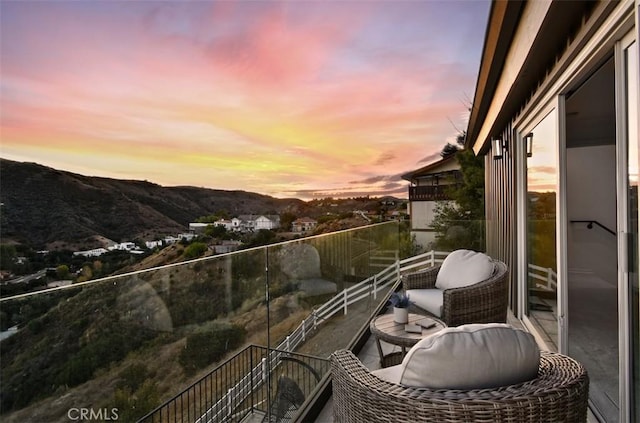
267,222
96,252
242,223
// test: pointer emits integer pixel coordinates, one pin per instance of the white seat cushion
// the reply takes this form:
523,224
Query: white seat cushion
427,299
477,356
463,268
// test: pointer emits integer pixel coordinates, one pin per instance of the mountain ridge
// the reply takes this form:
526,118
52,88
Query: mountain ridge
49,208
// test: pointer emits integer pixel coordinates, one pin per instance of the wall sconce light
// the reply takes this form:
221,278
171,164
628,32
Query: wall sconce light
499,148
528,141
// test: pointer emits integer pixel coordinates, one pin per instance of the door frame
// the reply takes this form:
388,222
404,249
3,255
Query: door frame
623,230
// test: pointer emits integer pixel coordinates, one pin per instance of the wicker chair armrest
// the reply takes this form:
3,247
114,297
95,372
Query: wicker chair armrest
425,279
484,302
344,362
360,396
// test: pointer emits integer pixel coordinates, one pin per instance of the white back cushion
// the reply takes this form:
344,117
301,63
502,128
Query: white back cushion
463,268
475,356
427,299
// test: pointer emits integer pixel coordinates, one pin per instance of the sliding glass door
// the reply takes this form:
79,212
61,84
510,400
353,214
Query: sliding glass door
580,254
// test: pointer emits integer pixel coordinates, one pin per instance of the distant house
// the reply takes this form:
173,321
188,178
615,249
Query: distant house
96,252
242,223
197,227
267,222
236,224
429,185
153,244
170,240
227,224
123,246
303,224
247,222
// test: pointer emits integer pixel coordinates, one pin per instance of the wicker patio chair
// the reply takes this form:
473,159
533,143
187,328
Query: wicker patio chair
558,394
483,302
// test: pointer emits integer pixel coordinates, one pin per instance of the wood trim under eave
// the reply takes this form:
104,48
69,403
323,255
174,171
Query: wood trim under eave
536,64
531,21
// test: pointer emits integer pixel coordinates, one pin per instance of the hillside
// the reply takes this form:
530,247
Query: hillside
49,209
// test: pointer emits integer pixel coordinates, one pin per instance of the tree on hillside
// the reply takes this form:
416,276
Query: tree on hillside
460,223
216,231
286,219
212,218
262,237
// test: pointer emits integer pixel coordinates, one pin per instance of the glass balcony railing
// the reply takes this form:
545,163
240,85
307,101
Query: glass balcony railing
119,347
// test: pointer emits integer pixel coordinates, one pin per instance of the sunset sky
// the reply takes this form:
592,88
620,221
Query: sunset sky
292,99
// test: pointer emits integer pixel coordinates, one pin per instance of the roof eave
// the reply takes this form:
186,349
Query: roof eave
502,23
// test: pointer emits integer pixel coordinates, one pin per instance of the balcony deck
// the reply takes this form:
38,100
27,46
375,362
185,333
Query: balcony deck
371,359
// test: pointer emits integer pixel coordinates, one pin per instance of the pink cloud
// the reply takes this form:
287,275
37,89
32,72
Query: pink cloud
276,54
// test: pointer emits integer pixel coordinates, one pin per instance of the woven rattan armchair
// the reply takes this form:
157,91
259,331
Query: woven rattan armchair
484,302
558,394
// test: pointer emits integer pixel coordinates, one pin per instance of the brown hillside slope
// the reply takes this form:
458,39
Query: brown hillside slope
49,208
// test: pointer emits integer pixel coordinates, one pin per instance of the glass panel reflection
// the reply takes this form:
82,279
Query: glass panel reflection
542,177
132,342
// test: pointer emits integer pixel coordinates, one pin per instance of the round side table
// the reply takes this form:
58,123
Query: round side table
384,328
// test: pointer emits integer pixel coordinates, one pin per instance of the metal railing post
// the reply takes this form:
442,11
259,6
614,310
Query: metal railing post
549,279
253,404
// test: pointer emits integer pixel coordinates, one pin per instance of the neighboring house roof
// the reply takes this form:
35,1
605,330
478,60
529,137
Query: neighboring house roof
254,217
247,217
305,220
447,164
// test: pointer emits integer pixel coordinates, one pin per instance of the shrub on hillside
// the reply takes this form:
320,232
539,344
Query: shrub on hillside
195,250
204,348
131,405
